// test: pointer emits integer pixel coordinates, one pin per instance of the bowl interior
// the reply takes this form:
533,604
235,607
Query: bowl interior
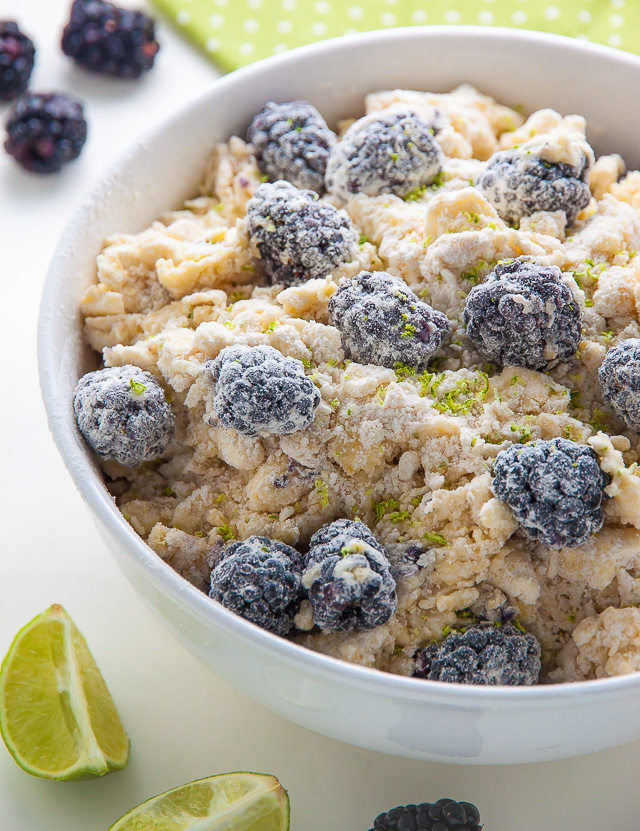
515,67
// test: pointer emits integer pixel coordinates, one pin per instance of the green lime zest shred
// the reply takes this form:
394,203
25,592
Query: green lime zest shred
384,507
399,516
437,538
599,420
403,371
226,532
136,386
322,489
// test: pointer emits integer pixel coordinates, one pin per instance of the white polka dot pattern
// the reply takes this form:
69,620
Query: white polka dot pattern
237,32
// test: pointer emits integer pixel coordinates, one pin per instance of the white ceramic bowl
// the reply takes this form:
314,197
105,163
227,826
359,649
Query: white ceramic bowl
396,715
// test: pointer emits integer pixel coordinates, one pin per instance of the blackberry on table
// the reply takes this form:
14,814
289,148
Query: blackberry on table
45,131
297,236
619,376
519,184
443,815
292,142
106,39
523,314
349,584
259,390
554,488
484,654
123,414
385,152
259,579
17,54
382,322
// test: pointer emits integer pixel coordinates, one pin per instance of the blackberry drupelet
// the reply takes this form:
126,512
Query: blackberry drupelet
524,314
16,60
292,142
321,542
519,184
349,584
106,39
45,131
485,654
259,390
555,489
383,322
443,815
393,151
123,414
297,236
259,579
619,376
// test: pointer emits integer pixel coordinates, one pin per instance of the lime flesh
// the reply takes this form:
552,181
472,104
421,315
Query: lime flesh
229,802
57,717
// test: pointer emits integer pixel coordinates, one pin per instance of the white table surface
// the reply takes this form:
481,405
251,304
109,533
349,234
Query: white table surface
184,723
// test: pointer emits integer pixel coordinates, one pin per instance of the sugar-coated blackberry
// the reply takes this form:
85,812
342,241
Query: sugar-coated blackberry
619,376
259,579
524,314
259,390
292,142
321,542
443,815
391,151
555,489
106,39
17,54
484,654
382,322
46,131
406,563
349,584
123,414
297,236
519,184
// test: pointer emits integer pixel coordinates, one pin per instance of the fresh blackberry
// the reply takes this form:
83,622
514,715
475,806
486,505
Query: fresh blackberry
321,542
349,584
485,654
259,390
16,60
45,131
524,314
259,579
297,236
383,322
392,151
619,376
292,142
106,39
519,184
555,489
443,815
123,414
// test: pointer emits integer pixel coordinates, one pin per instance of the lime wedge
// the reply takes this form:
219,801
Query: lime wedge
229,802
57,717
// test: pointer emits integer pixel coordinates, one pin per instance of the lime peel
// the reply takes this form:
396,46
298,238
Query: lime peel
57,717
240,801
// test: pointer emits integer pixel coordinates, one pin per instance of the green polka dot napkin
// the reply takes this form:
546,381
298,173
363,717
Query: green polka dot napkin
237,32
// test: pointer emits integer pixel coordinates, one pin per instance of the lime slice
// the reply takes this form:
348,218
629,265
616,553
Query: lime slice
229,802
57,717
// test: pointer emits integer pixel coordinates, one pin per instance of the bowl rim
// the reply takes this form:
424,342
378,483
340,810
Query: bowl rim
78,459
